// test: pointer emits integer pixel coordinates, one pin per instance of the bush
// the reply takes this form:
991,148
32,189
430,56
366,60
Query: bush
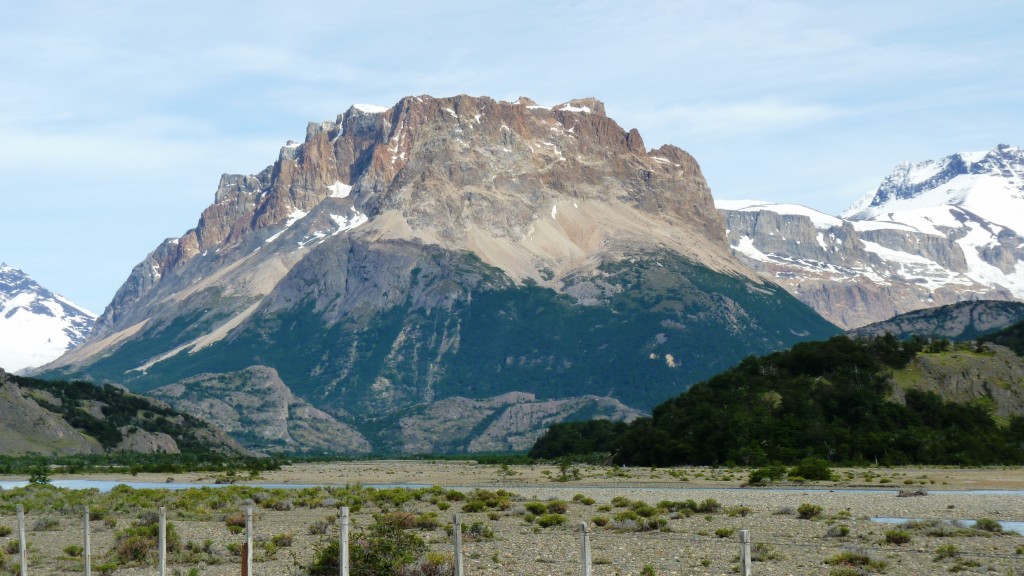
536,508
762,552
767,474
5,531
988,525
897,536
74,551
813,469
859,560
583,499
946,551
725,532
557,507
382,549
599,520
838,531
548,520
809,511
282,540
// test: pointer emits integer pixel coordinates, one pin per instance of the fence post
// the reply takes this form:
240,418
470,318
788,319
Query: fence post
248,541
86,543
22,546
585,549
457,536
745,553
163,541
343,542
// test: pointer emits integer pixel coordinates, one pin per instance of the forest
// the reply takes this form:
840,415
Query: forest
832,400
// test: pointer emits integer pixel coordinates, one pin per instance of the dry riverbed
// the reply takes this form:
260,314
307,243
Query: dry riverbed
508,538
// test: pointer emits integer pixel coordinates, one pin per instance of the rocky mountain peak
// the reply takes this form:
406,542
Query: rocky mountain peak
527,188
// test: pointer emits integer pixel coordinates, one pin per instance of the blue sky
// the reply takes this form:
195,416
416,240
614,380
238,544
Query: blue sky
118,117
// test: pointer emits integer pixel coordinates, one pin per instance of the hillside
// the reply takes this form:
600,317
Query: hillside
838,400
63,418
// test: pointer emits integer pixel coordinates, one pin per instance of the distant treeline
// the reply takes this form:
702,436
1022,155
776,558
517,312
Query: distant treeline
828,399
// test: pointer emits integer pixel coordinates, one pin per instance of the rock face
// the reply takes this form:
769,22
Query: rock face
961,321
26,427
36,325
993,378
443,249
934,233
255,406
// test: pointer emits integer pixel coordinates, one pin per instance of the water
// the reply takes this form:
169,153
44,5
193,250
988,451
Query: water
1007,525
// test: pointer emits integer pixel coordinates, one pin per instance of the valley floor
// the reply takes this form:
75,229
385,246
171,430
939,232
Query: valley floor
699,543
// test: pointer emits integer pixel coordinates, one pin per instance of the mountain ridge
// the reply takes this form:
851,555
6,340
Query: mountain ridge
933,233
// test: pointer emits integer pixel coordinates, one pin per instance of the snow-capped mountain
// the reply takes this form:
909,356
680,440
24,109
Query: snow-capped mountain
933,233
36,325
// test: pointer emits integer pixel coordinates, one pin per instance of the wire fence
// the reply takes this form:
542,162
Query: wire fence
571,549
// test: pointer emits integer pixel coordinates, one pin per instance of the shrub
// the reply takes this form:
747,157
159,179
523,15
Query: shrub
725,532
767,474
838,531
46,525
813,469
536,508
648,570
5,531
381,549
808,511
858,560
73,551
136,543
734,511
583,499
988,525
762,552
557,507
946,551
897,536
548,520
599,520
282,540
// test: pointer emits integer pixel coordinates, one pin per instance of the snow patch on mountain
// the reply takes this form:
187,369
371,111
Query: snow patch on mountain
36,325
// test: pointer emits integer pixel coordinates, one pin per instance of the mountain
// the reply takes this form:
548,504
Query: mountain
62,418
933,233
36,325
961,321
446,262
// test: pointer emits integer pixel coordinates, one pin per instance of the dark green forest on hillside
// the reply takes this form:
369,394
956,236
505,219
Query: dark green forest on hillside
1011,337
826,399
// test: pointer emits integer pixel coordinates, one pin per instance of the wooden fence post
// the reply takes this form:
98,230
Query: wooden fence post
22,545
457,536
745,553
585,549
163,541
343,541
245,559
248,541
86,543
